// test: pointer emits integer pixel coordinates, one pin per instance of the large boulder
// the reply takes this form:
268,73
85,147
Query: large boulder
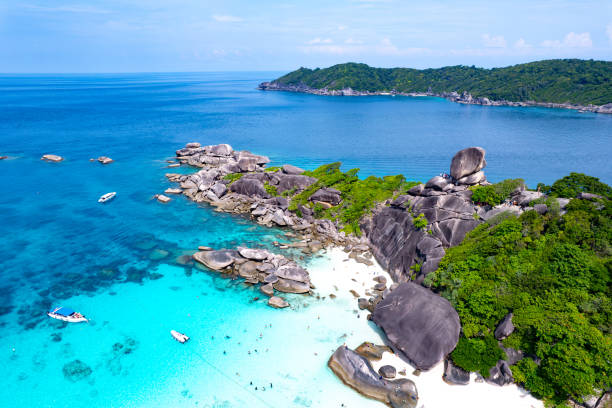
293,272
289,169
357,372
215,260
467,161
420,324
249,187
252,253
220,150
297,182
327,195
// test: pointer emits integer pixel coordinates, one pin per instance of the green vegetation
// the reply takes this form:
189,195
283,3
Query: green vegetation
477,354
495,194
358,196
272,169
564,80
570,186
419,221
270,189
232,177
555,274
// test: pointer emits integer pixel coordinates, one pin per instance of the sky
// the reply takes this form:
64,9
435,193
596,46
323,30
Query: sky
83,36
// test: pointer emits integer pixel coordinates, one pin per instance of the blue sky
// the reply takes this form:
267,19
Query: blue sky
190,35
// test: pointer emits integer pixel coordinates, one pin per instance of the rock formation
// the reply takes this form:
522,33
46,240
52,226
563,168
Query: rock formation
357,372
421,325
445,202
259,266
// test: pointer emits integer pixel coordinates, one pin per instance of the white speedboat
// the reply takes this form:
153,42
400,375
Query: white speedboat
180,337
66,314
107,197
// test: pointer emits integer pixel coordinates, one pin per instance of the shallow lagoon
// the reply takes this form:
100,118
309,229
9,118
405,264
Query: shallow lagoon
117,263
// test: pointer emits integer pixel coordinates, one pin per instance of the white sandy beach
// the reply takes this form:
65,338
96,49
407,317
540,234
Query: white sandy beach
347,274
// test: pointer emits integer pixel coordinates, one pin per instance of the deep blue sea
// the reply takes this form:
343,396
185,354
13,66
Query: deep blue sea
123,264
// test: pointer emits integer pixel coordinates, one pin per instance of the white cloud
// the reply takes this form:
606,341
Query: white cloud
352,41
571,40
521,44
609,31
494,41
319,41
226,18
342,27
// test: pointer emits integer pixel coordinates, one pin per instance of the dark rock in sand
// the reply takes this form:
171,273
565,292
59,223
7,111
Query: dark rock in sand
372,351
289,169
387,371
504,328
76,371
455,375
249,187
362,303
467,161
422,325
357,372
215,260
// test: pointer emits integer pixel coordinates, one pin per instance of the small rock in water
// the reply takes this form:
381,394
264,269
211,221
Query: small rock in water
52,158
173,191
3,157
105,160
162,198
277,302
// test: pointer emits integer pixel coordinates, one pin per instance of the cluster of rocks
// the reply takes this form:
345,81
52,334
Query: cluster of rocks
272,272
51,158
356,371
464,97
236,182
399,246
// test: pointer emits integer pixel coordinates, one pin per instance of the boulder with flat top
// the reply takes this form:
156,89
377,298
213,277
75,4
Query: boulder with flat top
467,161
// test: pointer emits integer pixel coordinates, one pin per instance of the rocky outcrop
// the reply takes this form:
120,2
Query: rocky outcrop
405,250
421,325
258,266
326,195
357,372
500,374
289,169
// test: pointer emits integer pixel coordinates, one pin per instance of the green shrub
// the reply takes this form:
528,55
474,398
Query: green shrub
270,189
478,354
232,177
495,194
570,186
419,221
272,169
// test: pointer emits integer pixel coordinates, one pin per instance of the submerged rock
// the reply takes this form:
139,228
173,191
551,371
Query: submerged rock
76,370
422,325
357,372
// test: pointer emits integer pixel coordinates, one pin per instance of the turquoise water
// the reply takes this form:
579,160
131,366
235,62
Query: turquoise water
122,263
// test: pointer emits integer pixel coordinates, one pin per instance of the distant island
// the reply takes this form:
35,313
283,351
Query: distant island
584,85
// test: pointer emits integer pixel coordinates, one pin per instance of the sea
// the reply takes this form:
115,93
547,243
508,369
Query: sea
126,264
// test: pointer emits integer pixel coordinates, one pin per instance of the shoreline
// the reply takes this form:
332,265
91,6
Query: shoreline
463,98
433,391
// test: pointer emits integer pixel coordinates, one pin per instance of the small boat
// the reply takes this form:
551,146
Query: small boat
180,337
66,314
107,197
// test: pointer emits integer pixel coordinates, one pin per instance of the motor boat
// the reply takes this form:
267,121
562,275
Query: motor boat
66,314
107,197
180,337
